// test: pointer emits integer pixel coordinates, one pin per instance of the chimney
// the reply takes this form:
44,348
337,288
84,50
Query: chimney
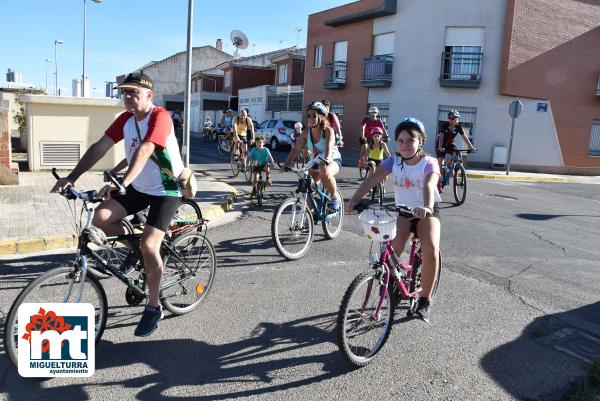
219,45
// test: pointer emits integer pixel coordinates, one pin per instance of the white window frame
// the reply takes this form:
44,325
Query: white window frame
594,147
282,70
318,56
227,79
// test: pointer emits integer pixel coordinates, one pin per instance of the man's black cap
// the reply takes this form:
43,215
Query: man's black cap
136,80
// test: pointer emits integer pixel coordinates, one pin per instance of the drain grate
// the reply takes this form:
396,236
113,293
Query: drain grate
500,196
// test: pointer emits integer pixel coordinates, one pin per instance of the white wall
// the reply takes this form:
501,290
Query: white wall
255,99
419,28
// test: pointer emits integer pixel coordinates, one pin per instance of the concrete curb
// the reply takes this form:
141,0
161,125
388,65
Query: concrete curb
29,245
499,177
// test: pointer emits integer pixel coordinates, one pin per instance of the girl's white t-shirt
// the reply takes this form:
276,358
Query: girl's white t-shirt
409,181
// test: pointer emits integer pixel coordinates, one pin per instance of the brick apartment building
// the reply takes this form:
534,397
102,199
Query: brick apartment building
422,59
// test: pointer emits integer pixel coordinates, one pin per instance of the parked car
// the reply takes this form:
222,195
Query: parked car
277,132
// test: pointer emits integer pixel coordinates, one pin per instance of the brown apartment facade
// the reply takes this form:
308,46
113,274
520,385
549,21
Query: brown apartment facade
424,58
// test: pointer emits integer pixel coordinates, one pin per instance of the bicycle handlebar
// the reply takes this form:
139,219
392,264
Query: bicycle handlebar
72,193
108,177
402,210
307,167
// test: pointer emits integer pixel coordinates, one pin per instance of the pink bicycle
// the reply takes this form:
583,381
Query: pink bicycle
367,310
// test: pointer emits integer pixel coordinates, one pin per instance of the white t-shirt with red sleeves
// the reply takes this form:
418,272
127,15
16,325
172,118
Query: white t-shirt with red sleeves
409,181
157,128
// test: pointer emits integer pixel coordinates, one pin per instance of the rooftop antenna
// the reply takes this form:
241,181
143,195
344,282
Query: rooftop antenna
298,30
239,40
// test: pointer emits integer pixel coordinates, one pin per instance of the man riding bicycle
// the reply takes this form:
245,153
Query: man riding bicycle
445,142
147,132
242,124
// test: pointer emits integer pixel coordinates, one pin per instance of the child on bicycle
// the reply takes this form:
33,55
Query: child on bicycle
415,177
377,150
260,157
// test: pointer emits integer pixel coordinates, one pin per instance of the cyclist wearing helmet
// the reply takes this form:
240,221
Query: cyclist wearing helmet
226,124
415,176
319,138
334,122
446,136
368,123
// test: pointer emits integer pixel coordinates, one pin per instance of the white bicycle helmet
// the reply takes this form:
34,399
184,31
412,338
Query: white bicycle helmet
373,109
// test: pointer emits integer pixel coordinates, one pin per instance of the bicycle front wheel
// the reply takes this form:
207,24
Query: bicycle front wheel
60,285
247,171
459,186
332,224
235,165
292,231
362,173
260,192
362,332
189,274
114,254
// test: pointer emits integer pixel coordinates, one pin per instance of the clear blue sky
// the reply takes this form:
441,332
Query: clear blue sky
123,35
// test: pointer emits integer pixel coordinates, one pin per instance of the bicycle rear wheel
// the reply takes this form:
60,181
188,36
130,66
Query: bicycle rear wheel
188,276
459,185
361,334
332,224
188,212
247,170
60,285
291,232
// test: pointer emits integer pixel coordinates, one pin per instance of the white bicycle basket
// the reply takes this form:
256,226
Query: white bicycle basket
378,225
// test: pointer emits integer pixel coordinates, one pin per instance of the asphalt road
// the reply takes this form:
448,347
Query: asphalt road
520,277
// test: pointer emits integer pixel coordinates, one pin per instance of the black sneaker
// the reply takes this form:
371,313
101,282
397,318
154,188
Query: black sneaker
130,263
149,321
424,309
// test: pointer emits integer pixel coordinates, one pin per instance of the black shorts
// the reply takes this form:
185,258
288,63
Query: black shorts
377,162
258,169
449,150
316,167
364,142
162,208
243,138
414,222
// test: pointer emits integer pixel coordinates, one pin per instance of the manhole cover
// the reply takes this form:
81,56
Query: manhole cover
500,196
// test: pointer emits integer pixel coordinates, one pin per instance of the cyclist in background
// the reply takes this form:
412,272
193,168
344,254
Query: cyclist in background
319,138
377,150
260,157
242,124
226,123
368,123
445,140
415,177
334,122
208,124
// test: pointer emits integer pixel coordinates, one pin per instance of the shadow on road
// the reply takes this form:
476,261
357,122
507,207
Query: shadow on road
543,216
535,366
275,357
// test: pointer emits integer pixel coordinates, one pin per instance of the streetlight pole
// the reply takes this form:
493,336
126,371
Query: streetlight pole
84,29
47,61
56,42
188,85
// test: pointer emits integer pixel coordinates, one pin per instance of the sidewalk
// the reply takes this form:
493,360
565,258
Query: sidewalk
350,158
33,219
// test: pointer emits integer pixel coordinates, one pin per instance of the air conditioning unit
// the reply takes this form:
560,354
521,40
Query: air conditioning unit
499,157
60,154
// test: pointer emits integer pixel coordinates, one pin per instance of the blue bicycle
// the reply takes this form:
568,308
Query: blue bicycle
292,227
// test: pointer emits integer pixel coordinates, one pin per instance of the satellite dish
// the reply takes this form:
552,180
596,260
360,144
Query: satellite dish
239,40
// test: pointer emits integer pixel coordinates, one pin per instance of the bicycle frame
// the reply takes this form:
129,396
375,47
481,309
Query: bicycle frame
306,186
388,262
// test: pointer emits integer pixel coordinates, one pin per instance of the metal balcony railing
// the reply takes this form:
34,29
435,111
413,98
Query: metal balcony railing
598,89
377,71
462,70
335,75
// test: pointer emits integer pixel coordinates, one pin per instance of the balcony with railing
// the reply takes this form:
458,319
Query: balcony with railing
461,70
377,71
335,75
598,89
